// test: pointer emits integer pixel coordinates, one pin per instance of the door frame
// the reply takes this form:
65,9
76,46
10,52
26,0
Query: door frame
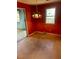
25,19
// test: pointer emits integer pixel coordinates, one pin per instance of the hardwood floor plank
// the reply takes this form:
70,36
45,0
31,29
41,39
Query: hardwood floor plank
40,46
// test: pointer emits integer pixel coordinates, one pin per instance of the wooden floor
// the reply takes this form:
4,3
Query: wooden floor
21,34
40,46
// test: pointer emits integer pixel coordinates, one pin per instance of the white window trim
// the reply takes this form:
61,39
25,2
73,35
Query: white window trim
50,16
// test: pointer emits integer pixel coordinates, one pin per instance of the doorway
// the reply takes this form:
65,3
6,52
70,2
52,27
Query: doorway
21,25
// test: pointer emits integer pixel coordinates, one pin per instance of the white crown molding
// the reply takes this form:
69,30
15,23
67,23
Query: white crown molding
33,2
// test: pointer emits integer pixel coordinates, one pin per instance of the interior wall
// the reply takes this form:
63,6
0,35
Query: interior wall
28,20
40,24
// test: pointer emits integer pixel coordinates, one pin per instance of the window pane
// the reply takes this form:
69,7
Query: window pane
50,20
50,12
50,16
18,17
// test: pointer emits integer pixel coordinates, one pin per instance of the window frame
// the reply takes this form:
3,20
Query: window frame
50,16
18,11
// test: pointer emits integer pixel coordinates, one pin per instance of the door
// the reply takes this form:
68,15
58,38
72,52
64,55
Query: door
21,24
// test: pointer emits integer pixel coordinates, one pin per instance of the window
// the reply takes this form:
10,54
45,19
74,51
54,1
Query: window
50,16
18,16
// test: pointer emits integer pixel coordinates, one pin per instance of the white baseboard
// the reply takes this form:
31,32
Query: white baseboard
31,33
44,32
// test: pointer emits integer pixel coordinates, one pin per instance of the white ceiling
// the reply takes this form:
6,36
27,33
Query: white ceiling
33,2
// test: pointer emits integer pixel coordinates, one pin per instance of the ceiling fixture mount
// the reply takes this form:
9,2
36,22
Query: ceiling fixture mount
36,14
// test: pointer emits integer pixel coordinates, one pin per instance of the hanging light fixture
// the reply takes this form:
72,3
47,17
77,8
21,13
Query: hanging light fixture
36,14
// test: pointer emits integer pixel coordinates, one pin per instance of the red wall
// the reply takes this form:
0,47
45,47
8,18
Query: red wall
40,24
28,20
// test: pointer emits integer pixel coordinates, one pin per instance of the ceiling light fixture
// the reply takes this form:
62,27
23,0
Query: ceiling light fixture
36,14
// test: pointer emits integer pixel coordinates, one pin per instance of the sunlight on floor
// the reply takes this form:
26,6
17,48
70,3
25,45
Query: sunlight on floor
21,34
